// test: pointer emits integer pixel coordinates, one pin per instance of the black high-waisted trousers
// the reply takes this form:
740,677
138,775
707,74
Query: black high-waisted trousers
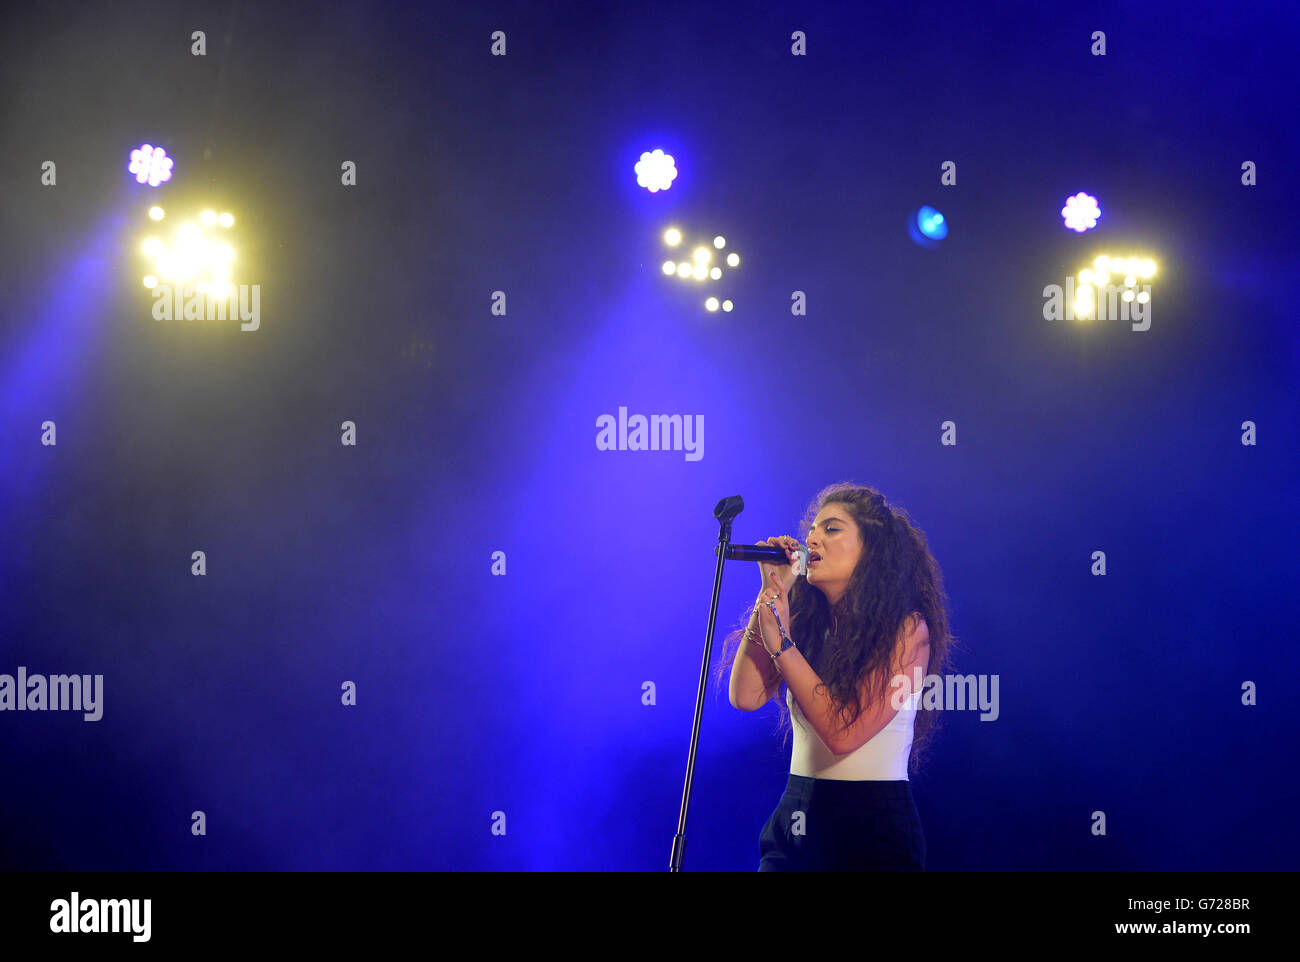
831,825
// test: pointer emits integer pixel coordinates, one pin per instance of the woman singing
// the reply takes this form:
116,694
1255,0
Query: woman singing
849,645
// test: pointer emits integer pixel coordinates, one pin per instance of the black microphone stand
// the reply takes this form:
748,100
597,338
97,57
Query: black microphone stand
725,512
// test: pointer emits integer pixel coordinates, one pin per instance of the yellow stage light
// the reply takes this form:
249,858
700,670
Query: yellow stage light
192,254
672,237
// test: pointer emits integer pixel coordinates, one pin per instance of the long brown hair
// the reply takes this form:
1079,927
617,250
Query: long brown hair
895,576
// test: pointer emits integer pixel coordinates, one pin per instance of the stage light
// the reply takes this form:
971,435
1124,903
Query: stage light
931,223
655,171
927,227
150,281
702,265
226,220
1081,212
1084,299
1087,301
1130,268
190,255
156,213
150,165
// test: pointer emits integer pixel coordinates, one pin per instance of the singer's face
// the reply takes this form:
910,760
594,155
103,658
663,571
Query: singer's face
835,537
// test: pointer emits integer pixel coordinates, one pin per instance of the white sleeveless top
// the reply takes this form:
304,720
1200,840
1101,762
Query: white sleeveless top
882,758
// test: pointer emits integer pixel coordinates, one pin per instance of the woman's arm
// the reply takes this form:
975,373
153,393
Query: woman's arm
753,676
815,701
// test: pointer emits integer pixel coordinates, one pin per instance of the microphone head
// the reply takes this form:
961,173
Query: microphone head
800,564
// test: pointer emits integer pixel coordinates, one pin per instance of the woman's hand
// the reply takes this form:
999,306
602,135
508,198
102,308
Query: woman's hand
783,573
777,581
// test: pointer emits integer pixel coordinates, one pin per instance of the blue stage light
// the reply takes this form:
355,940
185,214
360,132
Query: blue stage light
150,165
1081,212
931,223
655,171
927,227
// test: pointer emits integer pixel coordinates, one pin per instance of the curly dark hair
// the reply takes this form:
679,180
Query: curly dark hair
895,576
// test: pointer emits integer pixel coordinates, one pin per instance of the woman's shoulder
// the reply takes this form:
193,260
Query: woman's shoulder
915,629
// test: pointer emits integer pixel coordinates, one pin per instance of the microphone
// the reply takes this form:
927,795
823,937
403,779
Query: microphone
768,554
